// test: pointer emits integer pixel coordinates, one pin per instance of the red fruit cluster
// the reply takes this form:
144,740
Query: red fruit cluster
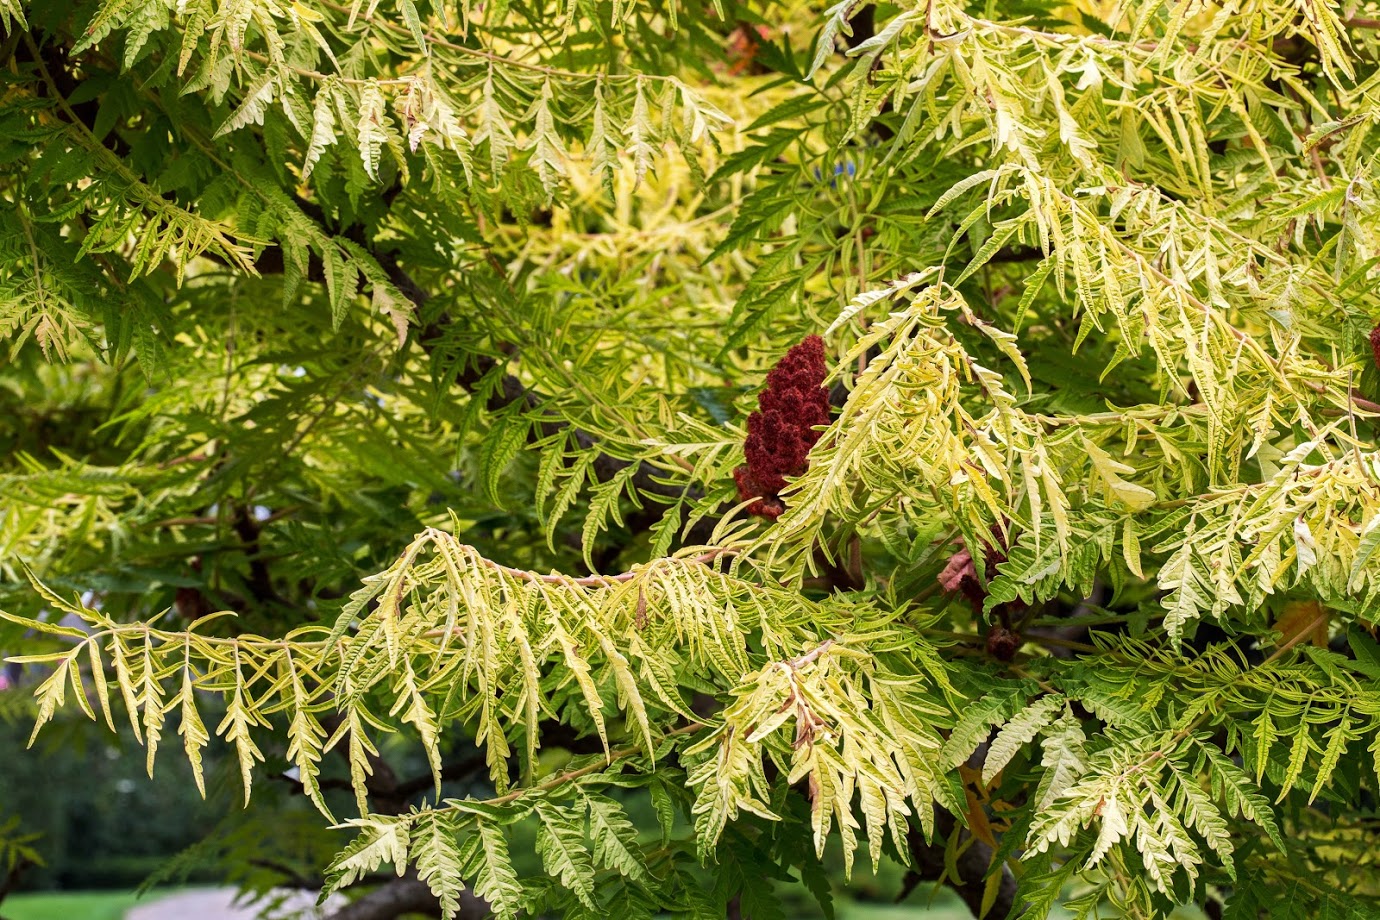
781,431
1375,344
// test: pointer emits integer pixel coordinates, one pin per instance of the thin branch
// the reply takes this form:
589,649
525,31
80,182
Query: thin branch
12,877
451,772
561,779
260,582
290,877
1297,637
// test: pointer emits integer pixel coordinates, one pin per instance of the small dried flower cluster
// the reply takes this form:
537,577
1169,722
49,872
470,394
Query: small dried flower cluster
1375,344
960,576
781,431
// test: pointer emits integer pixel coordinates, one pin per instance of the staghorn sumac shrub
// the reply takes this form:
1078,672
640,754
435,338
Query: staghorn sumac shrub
643,459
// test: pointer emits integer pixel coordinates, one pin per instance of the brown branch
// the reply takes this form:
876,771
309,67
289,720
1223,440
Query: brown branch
971,867
209,520
291,878
12,877
1361,402
260,582
329,782
560,779
450,772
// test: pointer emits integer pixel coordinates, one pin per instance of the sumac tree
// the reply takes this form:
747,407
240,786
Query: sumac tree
379,379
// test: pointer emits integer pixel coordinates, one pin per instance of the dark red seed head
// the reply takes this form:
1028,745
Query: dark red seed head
781,431
1002,643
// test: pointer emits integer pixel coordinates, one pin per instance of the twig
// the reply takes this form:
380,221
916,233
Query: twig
1296,638
561,779
450,772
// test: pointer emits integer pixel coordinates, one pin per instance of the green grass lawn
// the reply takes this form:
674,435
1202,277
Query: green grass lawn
111,905
76,905
945,907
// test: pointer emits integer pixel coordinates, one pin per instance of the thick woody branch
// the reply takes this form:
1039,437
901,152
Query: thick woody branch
970,868
407,895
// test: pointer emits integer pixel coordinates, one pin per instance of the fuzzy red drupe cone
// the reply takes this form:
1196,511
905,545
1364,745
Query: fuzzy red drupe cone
781,431
1375,344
